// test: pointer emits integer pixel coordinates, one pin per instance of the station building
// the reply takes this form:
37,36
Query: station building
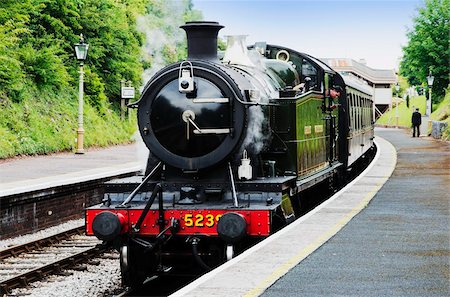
380,80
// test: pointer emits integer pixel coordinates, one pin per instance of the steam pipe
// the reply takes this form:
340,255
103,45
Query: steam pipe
197,256
233,188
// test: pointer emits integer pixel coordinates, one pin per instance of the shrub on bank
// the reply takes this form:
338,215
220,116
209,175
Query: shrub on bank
47,122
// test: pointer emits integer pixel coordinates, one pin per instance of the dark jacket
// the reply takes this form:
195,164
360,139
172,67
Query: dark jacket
416,118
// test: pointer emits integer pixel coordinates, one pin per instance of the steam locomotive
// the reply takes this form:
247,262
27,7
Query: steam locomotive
235,144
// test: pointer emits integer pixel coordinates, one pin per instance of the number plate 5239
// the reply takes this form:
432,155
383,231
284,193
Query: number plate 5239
200,220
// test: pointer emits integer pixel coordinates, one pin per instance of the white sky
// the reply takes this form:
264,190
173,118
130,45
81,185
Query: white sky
357,29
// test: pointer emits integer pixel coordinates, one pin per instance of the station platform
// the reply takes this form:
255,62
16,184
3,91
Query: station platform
387,233
34,173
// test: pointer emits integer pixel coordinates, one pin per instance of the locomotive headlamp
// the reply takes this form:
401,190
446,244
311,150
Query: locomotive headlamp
186,78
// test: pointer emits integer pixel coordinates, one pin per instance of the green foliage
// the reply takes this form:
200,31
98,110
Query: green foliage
39,73
39,38
428,47
221,44
95,91
114,53
44,66
11,73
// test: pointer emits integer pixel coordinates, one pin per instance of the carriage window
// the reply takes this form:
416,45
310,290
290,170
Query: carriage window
367,112
353,112
361,124
364,112
350,109
308,70
366,115
358,112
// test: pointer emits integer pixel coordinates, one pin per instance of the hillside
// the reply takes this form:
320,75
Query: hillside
39,72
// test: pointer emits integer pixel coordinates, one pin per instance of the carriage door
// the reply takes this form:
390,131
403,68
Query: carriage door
330,117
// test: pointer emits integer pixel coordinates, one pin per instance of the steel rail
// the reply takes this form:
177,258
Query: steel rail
24,279
39,243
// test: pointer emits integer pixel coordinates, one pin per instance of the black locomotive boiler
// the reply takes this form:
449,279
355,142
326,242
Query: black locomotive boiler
235,143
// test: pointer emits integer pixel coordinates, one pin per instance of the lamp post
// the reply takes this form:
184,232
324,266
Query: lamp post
397,89
81,50
430,79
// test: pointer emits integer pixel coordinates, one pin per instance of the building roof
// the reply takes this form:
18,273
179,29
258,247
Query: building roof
374,76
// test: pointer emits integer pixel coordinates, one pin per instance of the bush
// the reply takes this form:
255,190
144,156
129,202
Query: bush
47,122
442,113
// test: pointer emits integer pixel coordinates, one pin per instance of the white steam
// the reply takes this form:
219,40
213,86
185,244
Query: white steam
258,131
162,35
141,150
258,134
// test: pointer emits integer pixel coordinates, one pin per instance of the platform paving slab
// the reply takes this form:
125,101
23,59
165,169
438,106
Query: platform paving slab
20,175
250,273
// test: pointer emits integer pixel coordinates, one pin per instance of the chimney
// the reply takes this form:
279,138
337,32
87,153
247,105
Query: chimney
202,40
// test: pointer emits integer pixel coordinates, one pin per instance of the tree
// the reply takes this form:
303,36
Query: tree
428,47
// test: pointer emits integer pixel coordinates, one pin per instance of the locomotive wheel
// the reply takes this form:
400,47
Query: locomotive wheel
133,268
216,252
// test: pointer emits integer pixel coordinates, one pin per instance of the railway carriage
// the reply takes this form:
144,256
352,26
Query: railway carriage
235,146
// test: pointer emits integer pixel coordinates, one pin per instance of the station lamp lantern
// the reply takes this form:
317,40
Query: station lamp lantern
397,88
430,79
81,49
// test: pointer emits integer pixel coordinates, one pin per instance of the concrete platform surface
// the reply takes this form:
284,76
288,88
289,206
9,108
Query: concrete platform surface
20,175
399,245
255,270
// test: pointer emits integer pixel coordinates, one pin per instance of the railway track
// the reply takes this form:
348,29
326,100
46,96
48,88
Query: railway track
22,264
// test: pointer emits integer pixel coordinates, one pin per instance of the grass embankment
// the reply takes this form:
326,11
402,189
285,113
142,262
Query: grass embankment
441,113
404,112
46,123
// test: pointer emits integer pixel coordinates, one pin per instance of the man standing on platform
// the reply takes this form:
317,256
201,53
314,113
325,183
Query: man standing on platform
416,120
